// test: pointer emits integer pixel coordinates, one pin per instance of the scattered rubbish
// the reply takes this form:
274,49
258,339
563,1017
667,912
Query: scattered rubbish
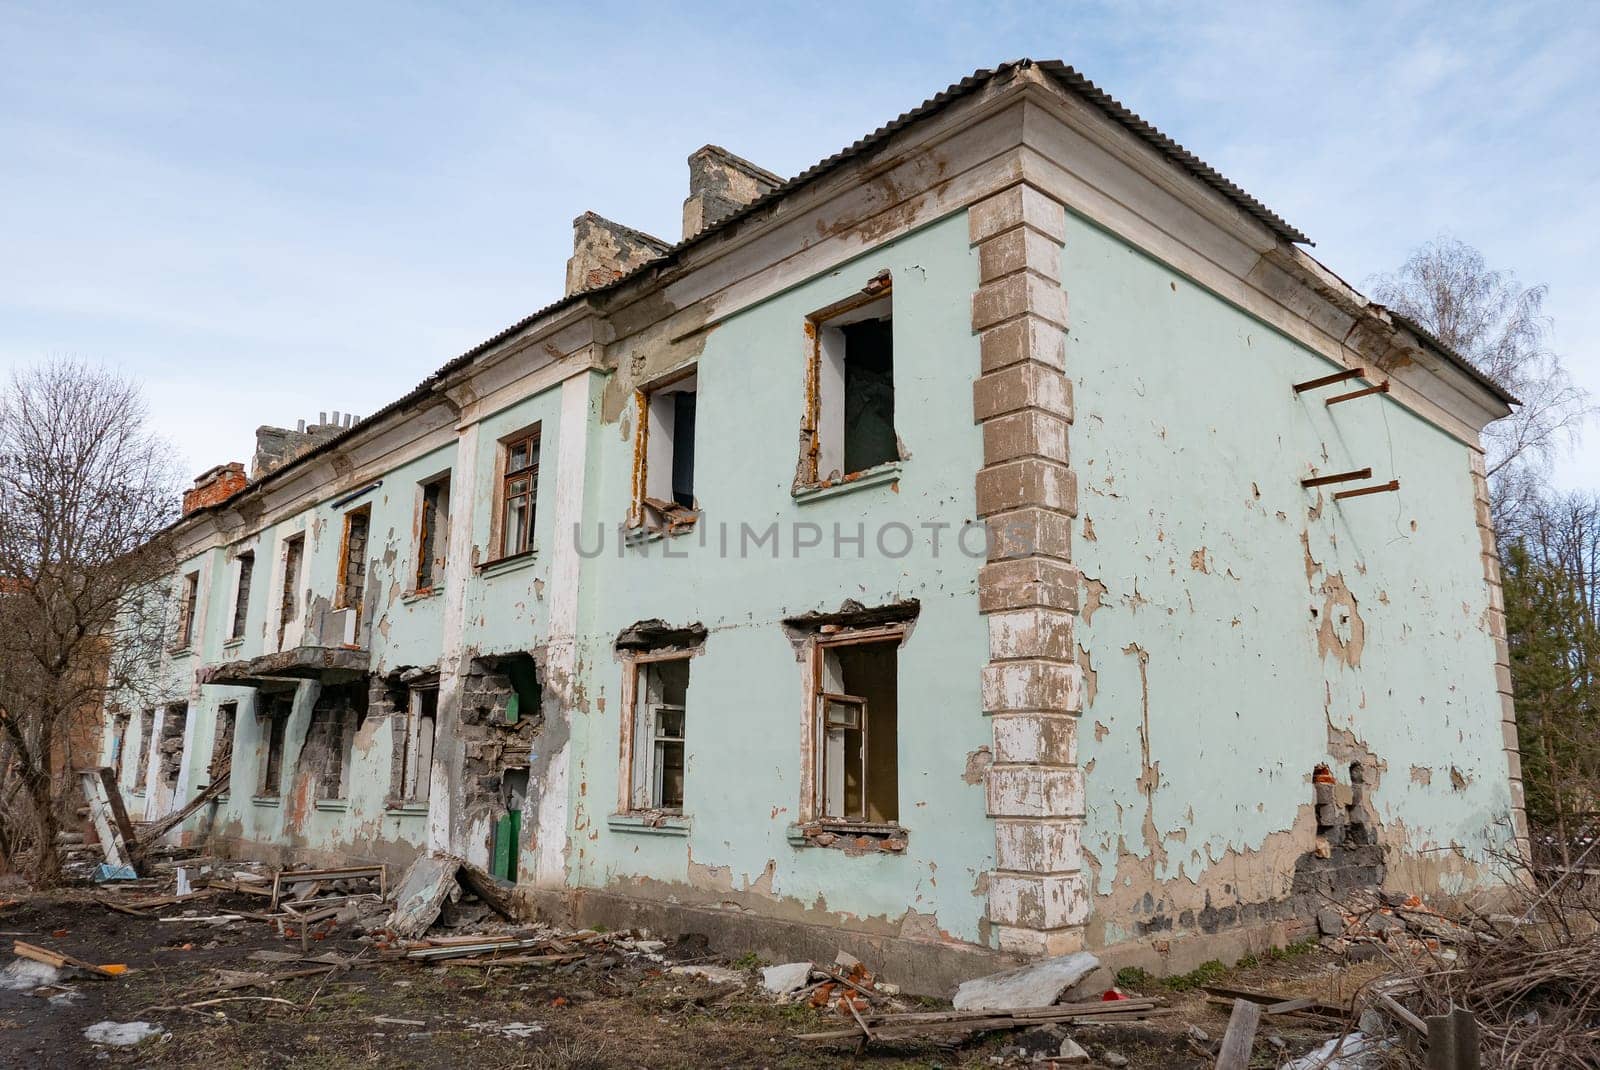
105,872
382,1020
422,893
940,1024
787,978
515,1030
121,1034
59,960
717,975
1353,1051
24,975
1038,984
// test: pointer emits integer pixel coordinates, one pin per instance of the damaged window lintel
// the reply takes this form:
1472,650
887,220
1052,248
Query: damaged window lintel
851,837
657,635
852,615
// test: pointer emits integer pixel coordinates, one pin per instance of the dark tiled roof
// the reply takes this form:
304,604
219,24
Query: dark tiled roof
1065,76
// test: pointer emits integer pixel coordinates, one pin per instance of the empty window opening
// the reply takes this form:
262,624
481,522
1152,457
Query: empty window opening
187,597
274,716
294,552
858,775
241,598
519,491
174,726
353,559
147,727
119,744
433,532
422,715
222,741
660,723
852,418
667,426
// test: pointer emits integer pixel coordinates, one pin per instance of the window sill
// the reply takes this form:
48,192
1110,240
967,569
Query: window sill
851,837
232,644
422,594
650,823
875,476
333,806
181,652
266,800
508,564
646,533
407,809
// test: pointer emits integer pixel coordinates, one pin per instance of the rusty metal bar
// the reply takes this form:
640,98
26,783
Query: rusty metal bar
1337,477
1329,380
1393,484
1381,388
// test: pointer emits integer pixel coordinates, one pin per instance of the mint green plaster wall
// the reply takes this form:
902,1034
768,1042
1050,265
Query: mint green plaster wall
1189,447
745,694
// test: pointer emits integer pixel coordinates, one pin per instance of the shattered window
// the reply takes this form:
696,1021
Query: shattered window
189,594
353,559
858,773
851,419
241,600
433,532
665,480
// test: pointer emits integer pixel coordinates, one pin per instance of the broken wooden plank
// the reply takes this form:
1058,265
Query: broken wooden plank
1394,1007
160,827
60,959
1240,1038
316,876
422,893
1269,999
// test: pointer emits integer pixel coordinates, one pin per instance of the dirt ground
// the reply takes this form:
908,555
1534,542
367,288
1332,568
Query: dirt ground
606,1011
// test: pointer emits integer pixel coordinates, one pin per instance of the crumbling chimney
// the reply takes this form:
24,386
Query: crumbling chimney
603,250
277,446
720,184
214,485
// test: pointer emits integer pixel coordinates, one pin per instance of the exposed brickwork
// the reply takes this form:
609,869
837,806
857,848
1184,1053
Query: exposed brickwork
214,485
1027,493
1502,650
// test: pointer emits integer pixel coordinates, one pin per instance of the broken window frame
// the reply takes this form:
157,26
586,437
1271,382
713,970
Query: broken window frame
223,740
141,771
246,567
813,804
528,474
433,533
416,776
349,593
638,785
654,504
294,560
823,436
188,598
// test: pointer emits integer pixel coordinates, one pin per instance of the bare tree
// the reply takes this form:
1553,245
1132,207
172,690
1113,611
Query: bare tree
86,493
1497,323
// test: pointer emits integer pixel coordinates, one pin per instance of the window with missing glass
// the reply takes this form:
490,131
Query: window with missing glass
519,489
660,718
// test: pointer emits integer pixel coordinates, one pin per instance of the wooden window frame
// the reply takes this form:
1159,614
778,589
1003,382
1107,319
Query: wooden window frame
188,601
241,594
635,663
812,731
502,499
879,288
341,593
670,514
439,560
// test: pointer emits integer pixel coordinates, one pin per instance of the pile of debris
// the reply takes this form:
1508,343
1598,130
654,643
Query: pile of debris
1367,924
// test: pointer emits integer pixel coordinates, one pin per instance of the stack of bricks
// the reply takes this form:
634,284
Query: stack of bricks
1028,588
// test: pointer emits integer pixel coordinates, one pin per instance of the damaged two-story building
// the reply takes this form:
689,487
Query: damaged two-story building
1000,539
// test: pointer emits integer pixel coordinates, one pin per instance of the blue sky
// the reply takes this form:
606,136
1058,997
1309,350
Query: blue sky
265,211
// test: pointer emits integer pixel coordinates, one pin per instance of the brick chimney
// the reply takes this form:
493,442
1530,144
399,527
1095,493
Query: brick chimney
214,485
277,446
603,250
720,184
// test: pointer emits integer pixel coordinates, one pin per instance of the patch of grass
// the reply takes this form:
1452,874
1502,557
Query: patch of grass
749,961
1134,977
1207,973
